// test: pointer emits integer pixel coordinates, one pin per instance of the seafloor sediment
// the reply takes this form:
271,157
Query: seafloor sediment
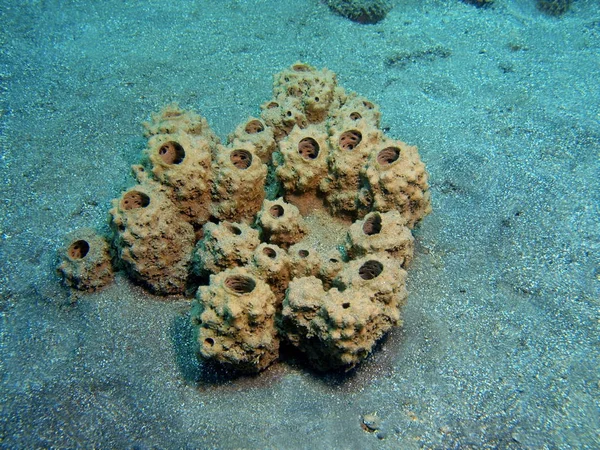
499,343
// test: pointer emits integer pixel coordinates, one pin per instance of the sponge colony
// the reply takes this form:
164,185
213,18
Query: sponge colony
298,228
334,239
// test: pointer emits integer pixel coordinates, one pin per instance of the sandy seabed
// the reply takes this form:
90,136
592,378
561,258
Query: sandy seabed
500,344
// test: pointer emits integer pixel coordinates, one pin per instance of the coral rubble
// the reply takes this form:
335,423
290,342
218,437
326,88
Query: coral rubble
361,11
479,3
554,7
297,229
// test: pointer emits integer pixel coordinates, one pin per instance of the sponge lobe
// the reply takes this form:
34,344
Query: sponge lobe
235,319
85,261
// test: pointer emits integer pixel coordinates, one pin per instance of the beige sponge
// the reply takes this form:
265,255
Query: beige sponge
235,319
338,328
281,223
182,163
272,264
172,119
256,132
224,246
303,216
397,179
351,145
304,152
381,232
239,185
154,242
86,261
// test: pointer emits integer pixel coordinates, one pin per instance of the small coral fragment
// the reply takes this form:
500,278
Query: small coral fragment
479,3
361,11
554,7
370,422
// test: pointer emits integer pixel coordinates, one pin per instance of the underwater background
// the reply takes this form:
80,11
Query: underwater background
500,345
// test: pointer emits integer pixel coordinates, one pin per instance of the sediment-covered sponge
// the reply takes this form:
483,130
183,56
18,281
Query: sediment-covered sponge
153,240
381,277
224,246
172,119
86,261
305,214
182,163
304,153
332,263
281,223
312,90
338,328
256,132
304,260
381,233
239,185
282,115
302,96
333,149
351,143
396,179
353,108
272,264
235,319
179,156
